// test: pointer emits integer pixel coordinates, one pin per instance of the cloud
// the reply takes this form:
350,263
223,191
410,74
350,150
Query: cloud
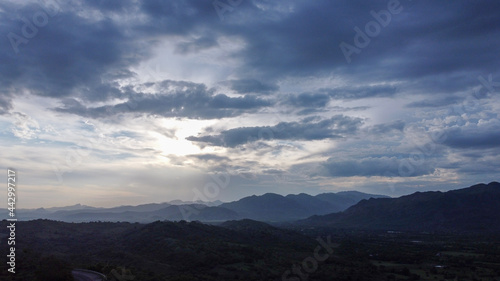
320,98
245,86
313,100
360,92
307,129
196,45
25,127
439,102
209,157
381,166
385,128
70,56
461,41
91,59
483,135
174,99
278,41
5,104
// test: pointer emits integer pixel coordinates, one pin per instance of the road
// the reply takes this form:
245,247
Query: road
87,275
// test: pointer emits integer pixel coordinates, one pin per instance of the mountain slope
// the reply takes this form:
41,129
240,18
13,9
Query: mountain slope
473,209
274,207
267,207
345,199
161,250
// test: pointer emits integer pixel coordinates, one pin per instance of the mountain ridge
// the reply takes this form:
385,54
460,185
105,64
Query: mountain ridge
267,207
471,209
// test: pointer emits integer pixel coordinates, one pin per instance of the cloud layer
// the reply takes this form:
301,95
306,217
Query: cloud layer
260,86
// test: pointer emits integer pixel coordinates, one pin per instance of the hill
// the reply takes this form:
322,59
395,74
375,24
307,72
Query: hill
268,207
166,250
472,209
273,207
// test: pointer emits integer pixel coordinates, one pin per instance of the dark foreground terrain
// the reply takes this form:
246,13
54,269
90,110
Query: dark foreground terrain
244,250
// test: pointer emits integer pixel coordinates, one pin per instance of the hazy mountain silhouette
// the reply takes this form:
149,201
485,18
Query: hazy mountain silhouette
267,207
171,212
206,203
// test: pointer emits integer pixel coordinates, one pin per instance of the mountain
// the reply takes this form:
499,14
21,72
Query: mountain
78,210
312,204
345,199
69,208
171,212
139,208
268,207
472,209
206,203
274,207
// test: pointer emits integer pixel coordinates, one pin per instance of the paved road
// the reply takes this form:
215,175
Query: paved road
86,275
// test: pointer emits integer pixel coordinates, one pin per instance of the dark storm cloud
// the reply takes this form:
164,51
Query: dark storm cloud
196,45
322,97
429,46
477,137
369,167
64,54
307,129
386,128
110,5
360,92
475,161
439,102
173,99
178,18
310,110
214,162
309,100
478,166
245,86
209,157
5,104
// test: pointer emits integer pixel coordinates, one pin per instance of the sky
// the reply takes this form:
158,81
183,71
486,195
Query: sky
108,103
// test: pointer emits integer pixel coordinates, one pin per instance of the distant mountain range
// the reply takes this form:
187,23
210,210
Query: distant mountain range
268,207
472,209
